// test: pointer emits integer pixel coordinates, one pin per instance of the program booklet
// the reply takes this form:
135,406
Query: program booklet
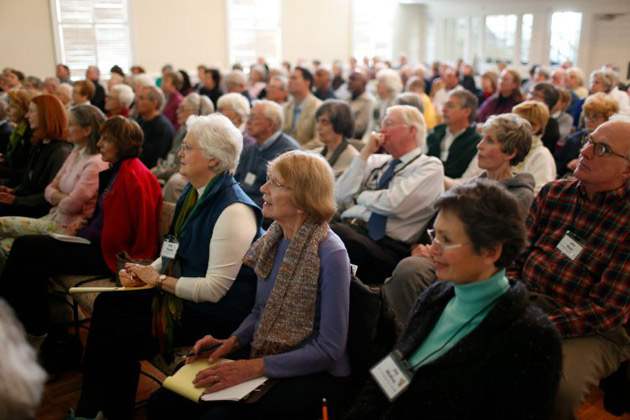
182,383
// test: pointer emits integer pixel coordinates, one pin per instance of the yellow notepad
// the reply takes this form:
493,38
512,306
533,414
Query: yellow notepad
182,383
87,289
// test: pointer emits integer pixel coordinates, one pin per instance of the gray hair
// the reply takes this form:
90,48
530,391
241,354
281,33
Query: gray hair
142,80
123,93
21,378
607,77
544,71
392,80
89,116
236,102
155,94
579,75
412,118
235,78
51,80
218,138
514,134
411,99
66,89
467,100
284,82
273,111
260,70
199,104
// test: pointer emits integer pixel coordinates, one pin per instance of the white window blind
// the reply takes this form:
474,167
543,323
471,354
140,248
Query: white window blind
92,32
254,31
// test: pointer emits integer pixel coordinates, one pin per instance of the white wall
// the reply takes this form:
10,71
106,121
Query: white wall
27,37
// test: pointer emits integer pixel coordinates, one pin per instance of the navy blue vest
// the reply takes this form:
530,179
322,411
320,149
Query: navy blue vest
194,248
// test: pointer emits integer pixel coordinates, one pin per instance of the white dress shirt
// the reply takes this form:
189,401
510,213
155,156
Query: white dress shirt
407,202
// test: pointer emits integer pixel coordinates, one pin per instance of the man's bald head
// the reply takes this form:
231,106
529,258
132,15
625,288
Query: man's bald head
611,170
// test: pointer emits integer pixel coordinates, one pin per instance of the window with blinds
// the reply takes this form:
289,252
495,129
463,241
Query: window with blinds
92,32
254,31
372,24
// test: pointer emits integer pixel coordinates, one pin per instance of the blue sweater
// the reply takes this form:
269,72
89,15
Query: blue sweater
325,349
254,160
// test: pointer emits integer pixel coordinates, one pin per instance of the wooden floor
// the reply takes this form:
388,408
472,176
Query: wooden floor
63,393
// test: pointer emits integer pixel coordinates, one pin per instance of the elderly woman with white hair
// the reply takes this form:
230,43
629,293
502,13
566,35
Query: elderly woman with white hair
118,100
605,81
199,281
237,108
388,85
167,170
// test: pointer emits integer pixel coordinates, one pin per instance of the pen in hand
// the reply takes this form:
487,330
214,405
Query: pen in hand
204,349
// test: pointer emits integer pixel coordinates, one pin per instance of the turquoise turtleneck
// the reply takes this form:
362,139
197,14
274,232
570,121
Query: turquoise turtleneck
468,301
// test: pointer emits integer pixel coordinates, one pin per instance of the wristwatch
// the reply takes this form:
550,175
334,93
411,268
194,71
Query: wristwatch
160,279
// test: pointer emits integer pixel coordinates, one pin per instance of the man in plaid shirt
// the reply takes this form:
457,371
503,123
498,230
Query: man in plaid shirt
577,267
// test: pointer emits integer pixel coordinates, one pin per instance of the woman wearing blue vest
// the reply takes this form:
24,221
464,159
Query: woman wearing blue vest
200,282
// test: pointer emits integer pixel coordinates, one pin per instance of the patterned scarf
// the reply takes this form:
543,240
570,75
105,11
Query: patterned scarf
167,308
289,314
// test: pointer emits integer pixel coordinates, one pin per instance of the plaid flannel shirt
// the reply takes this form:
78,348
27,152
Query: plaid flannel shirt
595,288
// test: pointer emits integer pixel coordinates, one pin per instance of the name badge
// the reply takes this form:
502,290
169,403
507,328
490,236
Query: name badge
169,247
250,178
571,246
392,375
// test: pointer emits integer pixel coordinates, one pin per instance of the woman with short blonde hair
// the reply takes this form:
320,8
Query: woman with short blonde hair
539,161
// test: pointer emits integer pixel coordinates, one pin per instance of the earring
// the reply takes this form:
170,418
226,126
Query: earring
300,211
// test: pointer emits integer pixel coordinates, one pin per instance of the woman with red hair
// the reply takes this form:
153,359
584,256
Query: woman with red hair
48,120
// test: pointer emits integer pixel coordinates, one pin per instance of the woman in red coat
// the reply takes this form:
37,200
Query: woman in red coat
126,219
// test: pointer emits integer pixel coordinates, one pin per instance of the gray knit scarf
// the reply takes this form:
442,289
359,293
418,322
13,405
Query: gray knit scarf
289,314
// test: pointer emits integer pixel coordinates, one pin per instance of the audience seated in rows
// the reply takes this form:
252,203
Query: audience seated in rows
361,102
455,141
387,197
17,152
473,323
93,74
118,100
539,161
388,85
598,108
167,170
506,141
158,130
334,127
171,83
508,95
265,126
47,118
417,85
203,288
73,191
303,347
125,219
299,113
547,94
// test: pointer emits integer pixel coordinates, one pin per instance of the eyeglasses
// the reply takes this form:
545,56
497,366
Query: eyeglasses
593,116
186,148
274,183
442,246
600,149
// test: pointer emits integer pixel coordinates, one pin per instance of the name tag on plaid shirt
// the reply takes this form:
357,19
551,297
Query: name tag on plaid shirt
571,246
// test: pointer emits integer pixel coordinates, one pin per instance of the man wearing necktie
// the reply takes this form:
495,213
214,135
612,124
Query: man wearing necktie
388,197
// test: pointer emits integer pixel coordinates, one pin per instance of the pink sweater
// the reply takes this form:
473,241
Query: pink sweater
78,177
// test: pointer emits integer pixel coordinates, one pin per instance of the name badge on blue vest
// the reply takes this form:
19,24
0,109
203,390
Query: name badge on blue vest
169,247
